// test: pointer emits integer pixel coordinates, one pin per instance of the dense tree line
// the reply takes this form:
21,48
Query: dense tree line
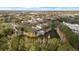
70,19
72,37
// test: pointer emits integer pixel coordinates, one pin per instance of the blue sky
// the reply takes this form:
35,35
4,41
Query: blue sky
39,3
40,8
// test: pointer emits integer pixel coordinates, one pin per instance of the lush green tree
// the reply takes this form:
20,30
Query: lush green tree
17,43
72,37
33,47
14,43
66,47
53,44
5,31
4,43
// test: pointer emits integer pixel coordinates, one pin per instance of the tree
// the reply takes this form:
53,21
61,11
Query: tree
5,32
17,43
4,43
14,43
72,37
33,48
66,47
53,44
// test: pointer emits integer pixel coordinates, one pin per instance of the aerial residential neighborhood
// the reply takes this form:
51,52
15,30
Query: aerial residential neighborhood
39,30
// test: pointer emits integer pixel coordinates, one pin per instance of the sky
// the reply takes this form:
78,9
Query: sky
39,3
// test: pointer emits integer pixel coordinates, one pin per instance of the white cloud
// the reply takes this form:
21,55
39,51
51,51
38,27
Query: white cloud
38,3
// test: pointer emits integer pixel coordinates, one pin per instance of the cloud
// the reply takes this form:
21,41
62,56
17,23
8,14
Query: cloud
38,3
